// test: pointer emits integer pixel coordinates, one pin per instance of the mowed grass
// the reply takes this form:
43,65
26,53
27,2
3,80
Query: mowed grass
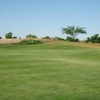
49,72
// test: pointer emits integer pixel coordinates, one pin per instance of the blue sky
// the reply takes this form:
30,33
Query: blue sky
47,17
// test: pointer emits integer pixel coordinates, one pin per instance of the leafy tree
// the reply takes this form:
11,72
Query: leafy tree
8,35
73,31
0,37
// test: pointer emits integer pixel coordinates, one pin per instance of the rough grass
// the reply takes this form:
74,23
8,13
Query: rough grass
49,72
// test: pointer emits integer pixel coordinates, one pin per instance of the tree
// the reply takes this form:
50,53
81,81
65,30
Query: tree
0,37
8,35
73,31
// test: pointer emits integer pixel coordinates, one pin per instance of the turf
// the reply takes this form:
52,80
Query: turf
49,72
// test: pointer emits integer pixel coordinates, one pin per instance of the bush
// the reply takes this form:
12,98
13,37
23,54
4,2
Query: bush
8,35
31,36
76,40
30,41
93,39
88,40
58,38
34,36
0,37
46,37
70,39
14,37
98,40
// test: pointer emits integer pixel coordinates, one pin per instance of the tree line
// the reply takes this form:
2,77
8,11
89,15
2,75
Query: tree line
70,31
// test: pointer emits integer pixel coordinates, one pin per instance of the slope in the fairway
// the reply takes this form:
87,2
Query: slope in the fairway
49,72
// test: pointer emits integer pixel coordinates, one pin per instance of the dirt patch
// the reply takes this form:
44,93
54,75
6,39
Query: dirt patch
8,41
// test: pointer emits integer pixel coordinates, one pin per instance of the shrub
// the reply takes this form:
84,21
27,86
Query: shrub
58,38
31,36
98,40
70,39
88,40
34,36
14,37
93,39
8,35
0,37
46,37
76,40
30,41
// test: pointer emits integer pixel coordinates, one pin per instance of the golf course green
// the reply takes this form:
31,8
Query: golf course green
49,71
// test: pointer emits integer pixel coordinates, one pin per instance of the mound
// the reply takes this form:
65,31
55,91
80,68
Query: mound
8,41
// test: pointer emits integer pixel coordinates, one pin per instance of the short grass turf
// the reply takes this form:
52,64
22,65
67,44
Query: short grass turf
49,72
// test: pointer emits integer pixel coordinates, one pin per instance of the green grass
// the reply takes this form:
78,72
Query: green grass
49,72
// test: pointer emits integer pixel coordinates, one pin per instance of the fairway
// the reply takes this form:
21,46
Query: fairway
49,71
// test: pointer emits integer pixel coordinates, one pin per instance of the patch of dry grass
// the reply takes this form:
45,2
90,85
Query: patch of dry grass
9,41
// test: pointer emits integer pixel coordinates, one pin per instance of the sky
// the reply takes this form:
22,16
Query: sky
48,17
